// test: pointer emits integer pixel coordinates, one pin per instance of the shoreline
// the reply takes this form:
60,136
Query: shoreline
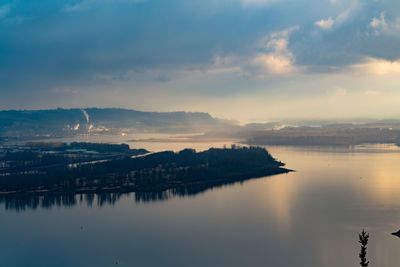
132,189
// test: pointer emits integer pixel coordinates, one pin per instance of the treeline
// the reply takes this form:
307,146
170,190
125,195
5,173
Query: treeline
34,157
154,172
326,135
97,147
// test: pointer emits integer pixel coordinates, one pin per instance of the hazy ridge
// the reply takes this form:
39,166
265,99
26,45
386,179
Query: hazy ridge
69,122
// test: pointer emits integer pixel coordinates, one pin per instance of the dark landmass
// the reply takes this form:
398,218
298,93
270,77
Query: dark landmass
81,147
344,135
16,125
311,134
39,169
308,133
25,124
396,233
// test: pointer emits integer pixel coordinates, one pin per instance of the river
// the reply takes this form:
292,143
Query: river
306,218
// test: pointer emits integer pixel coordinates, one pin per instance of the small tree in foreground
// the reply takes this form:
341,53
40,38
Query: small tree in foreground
363,240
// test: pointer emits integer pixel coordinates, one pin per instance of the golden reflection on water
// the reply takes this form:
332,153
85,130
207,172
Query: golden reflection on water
384,176
279,195
366,186
310,217
376,175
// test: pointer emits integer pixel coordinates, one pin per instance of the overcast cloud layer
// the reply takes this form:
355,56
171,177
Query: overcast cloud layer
245,59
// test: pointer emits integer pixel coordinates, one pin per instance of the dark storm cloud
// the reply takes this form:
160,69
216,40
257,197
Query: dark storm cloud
47,44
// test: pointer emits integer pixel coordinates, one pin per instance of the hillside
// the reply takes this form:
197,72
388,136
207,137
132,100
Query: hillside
69,122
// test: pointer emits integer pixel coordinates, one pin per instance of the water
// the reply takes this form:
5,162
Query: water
307,218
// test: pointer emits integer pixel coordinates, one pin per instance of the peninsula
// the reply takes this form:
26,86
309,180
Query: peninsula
96,168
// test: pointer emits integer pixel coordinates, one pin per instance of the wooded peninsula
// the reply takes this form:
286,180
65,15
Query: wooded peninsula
42,168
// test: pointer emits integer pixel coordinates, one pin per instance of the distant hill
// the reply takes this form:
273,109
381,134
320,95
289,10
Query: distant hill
333,134
67,122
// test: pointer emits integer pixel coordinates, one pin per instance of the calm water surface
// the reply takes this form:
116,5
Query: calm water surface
307,218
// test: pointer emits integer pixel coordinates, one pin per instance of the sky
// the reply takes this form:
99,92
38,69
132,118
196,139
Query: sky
248,60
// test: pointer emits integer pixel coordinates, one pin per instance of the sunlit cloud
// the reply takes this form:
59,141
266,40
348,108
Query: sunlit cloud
376,66
382,26
274,63
378,24
274,57
325,24
347,13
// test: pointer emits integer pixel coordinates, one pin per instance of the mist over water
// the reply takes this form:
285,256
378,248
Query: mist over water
307,218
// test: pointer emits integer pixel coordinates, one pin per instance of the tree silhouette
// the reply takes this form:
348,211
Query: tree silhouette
363,240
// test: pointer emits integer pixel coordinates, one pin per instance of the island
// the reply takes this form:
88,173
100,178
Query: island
78,168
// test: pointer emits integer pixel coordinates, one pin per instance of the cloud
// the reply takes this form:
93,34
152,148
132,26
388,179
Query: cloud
225,64
274,57
255,2
81,6
325,24
112,40
276,64
85,5
378,24
341,18
334,2
340,92
381,26
4,10
377,66
373,93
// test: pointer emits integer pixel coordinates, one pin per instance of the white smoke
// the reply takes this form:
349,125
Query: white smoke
86,115
89,126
